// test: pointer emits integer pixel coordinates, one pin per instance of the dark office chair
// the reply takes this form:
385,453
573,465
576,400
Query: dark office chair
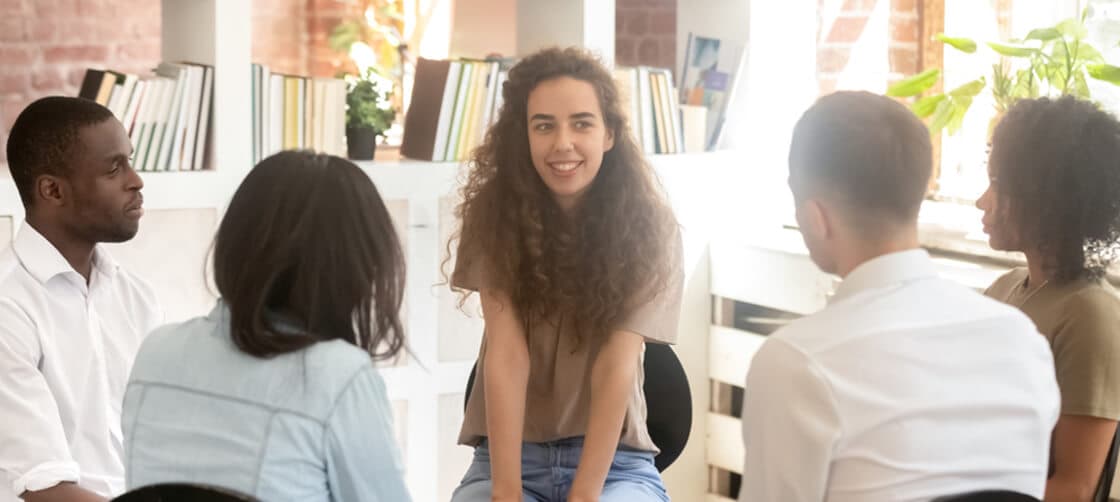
668,402
183,492
988,496
1104,487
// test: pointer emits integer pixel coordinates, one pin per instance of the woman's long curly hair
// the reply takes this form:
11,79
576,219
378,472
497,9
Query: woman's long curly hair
587,268
1057,166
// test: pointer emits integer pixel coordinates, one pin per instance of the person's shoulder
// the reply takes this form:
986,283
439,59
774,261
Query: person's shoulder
14,278
1094,300
335,364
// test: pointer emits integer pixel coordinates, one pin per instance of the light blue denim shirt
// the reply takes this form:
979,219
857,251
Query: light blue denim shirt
310,425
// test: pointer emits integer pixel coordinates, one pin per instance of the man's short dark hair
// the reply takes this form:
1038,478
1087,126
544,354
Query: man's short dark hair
44,139
866,152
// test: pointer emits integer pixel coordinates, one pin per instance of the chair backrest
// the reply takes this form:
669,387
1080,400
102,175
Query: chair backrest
1104,487
183,492
668,402
988,496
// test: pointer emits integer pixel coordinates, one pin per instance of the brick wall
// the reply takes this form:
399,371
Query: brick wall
836,40
322,17
46,46
646,33
280,38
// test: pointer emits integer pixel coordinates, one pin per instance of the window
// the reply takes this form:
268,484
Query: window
963,175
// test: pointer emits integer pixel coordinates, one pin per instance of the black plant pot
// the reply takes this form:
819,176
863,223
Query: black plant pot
361,142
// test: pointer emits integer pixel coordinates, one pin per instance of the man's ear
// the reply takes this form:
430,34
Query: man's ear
51,190
817,216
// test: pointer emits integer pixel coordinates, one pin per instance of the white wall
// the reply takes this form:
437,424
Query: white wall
584,23
723,19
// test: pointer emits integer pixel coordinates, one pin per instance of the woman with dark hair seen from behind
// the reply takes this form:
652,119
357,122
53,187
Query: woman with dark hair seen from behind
575,254
1054,195
274,394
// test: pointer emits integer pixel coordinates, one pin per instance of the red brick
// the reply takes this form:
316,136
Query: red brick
146,54
624,50
75,53
13,8
904,60
16,55
48,80
669,54
859,6
74,8
905,30
904,5
664,22
12,30
846,29
74,76
635,21
832,59
15,83
649,51
45,30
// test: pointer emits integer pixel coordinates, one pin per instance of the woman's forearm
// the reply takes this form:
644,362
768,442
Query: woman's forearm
506,377
612,378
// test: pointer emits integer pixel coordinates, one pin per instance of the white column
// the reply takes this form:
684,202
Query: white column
217,33
582,23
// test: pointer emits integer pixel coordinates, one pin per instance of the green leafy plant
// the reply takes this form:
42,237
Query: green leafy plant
367,105
376,25
1050,61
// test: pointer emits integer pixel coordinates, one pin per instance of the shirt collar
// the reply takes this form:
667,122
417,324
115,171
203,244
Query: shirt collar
887,270
43,260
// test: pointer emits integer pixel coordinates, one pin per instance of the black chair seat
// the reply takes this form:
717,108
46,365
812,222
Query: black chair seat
183,492
668,402
988,496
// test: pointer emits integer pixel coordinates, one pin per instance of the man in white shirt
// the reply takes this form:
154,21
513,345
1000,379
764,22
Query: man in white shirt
71,320
907,387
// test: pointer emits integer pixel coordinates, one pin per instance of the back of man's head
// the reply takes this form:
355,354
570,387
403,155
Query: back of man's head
45,139
867,155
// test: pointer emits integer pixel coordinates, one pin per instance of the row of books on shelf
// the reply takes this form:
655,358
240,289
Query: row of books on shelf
295,112
655,114
167,115
455,102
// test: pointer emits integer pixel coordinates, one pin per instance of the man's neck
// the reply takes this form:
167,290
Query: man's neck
77,252
864,251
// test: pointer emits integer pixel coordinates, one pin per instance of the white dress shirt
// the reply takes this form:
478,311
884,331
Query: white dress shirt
905,388
65,352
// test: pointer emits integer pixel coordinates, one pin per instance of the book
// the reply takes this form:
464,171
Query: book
711,66
423,118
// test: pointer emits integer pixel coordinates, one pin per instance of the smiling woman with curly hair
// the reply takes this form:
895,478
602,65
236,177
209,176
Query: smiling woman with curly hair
575,254
1055,196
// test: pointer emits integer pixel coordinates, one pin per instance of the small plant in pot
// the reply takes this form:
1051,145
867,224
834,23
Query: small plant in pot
369,113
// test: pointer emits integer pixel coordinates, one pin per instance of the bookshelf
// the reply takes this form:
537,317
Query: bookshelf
714,194
184,208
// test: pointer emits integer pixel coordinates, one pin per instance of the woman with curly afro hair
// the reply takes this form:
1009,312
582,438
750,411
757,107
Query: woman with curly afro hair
575,254
1054,195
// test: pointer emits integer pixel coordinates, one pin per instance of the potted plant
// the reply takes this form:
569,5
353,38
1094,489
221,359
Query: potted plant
1050,61
368,115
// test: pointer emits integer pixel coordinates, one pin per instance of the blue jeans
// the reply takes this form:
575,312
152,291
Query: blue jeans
547,471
